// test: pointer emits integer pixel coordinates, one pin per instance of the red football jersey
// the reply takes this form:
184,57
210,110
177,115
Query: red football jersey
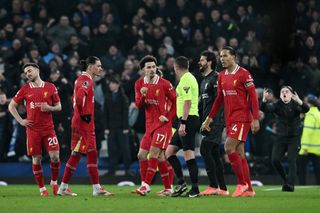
34,97
160,100
233,91
164,102
83,103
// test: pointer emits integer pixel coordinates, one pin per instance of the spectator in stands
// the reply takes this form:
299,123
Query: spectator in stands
141,49
113,61
55,53
116,126
4,124
102,40
61,32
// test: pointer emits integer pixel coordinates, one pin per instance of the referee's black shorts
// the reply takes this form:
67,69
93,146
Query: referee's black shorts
187,142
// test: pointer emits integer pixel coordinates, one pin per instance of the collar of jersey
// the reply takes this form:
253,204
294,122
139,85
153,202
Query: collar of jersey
156,80
86,74
233,71
34,86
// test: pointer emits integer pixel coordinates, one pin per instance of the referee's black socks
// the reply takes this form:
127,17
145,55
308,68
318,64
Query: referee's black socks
193,171
175,163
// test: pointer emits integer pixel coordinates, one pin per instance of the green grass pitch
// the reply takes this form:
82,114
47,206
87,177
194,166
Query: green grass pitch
26,198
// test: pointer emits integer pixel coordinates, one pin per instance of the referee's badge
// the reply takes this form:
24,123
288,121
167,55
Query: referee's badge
186,89
206,86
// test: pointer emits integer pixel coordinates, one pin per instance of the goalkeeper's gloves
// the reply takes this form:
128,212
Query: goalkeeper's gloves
86,118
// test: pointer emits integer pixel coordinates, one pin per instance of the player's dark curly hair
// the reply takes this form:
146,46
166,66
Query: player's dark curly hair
90,60
146,59
210,56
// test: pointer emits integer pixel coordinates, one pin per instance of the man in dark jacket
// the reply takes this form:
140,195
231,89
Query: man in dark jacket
116,124
209,148
288,130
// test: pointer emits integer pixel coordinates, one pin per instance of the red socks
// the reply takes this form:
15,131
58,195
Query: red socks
92,167
152,168
246,173
38,174
164,172
236,164
143,169
171,172
70,168
54,170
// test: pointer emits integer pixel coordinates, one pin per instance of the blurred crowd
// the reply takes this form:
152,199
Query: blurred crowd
279,43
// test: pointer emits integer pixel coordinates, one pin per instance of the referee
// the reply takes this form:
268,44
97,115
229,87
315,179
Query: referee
187,111
210,143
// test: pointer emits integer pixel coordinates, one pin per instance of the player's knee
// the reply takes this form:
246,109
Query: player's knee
170,151
189,154
241,154
77,154
54,159
154,152
142,156
228,149
36,159
161,158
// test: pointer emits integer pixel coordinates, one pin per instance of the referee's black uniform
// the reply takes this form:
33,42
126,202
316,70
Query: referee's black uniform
211,141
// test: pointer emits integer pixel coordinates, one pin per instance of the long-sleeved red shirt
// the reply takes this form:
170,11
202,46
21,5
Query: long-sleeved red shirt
237,91
83,103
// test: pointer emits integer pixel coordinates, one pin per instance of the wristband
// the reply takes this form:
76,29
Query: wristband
183,122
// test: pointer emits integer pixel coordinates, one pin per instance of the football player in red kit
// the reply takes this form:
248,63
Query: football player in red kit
236,89
40,98
158,97
83,130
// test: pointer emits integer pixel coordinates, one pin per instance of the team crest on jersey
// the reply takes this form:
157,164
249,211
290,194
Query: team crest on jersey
45,94
186,89
157,92
85,84
235,82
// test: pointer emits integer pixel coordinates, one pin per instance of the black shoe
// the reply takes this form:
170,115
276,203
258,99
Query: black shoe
287,188
192,194
179,190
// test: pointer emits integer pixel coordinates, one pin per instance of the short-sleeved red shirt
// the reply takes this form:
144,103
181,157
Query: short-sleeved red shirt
34,97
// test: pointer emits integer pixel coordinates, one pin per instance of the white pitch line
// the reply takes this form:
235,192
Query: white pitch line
296,187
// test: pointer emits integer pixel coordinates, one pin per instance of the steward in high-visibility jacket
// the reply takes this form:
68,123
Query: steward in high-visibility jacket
310,139
310,142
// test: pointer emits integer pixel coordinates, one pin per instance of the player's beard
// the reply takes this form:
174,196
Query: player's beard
152,75
203,68
32,79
